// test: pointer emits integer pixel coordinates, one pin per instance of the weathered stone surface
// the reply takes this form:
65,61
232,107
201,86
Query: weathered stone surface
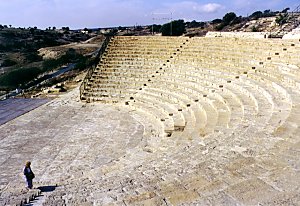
251,191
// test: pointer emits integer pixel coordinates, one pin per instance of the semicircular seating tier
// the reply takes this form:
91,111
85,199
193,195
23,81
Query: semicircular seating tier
191,87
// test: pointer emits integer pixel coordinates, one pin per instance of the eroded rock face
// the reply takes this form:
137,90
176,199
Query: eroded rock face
49,53
86,47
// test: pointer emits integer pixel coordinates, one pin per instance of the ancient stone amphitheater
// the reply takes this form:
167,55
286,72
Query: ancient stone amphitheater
166,121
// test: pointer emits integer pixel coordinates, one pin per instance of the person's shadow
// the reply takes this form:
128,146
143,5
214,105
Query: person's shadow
43,189
49,188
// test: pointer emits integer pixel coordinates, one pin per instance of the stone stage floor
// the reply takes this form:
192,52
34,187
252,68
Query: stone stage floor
12,108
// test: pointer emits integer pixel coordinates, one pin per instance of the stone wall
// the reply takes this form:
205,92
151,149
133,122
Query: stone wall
295,34
253,35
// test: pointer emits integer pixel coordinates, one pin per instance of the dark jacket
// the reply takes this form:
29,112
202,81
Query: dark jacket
28,173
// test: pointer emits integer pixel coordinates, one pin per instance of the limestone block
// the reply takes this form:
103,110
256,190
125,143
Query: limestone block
251,192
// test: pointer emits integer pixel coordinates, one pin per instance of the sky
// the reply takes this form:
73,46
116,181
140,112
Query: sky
110,13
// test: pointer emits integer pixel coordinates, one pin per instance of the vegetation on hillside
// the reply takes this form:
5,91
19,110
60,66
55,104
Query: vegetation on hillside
19,77
174,28
229,22
20,61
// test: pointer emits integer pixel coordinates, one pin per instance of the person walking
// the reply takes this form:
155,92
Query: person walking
29,175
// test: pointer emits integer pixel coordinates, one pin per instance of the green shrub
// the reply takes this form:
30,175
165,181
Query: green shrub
254,29
220,26
282,19
19,77
8,63
33,57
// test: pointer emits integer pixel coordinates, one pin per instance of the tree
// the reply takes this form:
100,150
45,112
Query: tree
285,10
155,28
256,15
174,28
268,13
65,28
216,21
120,28
138,28
229,17
193,24
31,30
237,20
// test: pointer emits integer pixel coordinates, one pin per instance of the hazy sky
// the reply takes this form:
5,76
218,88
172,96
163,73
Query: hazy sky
105,13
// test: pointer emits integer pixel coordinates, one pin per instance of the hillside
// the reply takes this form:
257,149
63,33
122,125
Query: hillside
21,60
277,23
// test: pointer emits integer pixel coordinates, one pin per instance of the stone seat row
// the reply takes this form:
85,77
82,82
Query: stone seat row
167,40
135,55
286,106
278,88
238,64
239,53
130,60
146,45
240,50
213,62
251,42
145,48
120,74
185,92
116,63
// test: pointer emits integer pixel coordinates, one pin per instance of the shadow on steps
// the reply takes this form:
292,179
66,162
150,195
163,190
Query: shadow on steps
47,188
